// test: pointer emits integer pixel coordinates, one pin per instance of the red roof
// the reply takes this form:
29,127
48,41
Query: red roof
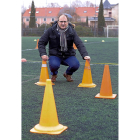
86,11
42,12
53,12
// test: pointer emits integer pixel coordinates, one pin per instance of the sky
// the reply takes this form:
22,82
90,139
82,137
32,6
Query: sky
41,3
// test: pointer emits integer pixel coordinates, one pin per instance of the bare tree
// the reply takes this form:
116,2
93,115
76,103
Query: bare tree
23,9
69,10
88,4
53,5
77,3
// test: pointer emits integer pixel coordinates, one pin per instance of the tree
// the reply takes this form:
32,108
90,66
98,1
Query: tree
69,10
53,5
88,4
76,3
101,20
87,20
32,22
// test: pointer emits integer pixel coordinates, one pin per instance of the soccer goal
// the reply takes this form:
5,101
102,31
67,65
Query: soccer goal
111,30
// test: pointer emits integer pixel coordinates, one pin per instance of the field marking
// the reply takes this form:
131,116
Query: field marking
29,49
30,61
113,64
31,79
105,63
28,75
98,42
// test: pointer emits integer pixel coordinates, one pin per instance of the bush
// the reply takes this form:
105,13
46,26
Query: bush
83,31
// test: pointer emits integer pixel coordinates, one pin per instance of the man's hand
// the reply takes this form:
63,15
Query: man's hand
87,58
44,57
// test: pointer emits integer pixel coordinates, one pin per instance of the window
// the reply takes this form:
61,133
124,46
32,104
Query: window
44,19
85,11
37,11
27,19
52,19
110,14
50,11
29,12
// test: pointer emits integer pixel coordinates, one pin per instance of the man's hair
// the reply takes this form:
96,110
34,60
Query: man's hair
63,15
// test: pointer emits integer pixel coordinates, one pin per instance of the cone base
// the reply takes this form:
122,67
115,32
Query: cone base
106,97
87,85
48,130
42,83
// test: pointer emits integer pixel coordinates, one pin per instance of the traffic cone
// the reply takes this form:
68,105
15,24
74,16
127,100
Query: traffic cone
74,46
106,87
43,75
48,123
87,77
37,44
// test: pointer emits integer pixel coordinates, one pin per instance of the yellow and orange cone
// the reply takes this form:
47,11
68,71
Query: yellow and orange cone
87,77
37,44
44,74
48,123
106,87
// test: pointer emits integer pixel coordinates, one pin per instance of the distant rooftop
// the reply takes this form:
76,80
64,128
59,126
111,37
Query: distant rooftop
107,5
106,19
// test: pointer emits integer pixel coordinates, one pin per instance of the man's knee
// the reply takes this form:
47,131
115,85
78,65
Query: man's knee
54,66
75,66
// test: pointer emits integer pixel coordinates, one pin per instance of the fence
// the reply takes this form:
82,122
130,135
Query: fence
32,32
108,32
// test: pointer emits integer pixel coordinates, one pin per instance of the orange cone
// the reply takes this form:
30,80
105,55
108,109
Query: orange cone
43,75
87,77
48,123
37,44
106,87
74,46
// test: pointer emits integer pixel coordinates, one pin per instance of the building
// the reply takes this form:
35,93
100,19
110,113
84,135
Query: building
47,15
84,12
43,15
111,10
110,15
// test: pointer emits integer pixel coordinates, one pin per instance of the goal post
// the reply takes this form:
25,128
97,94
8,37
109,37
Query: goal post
111,30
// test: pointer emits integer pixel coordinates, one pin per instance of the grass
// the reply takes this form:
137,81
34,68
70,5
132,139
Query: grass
87,118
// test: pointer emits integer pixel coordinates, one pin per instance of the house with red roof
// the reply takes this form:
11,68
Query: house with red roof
47,15
84,12
43,15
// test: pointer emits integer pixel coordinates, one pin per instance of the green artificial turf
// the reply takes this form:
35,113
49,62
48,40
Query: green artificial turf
87,117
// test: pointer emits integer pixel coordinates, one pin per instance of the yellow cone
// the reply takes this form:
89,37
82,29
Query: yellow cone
43,75
106,87
37,44
87,77
48,123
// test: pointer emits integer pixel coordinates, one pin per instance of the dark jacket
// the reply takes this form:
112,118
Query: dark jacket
52,36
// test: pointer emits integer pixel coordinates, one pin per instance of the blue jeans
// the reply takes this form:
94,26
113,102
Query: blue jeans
54,64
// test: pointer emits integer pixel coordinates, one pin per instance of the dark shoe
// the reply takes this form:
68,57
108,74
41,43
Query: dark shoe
54,78
68,77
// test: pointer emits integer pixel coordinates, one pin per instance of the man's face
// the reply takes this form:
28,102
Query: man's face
63,22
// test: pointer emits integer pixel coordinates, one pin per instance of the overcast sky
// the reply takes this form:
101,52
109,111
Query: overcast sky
42,3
